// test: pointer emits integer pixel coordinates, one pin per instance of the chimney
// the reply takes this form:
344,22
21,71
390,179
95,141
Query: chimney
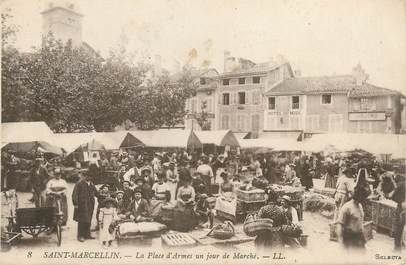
298,73
359,74
227,55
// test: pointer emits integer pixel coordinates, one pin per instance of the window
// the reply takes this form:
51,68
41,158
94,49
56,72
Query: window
241,97
241,80
224,122
226,98
335,123
202,81
256,97
295,102
255,123
364,103
326,99
272,103
226,82
241,123
256,80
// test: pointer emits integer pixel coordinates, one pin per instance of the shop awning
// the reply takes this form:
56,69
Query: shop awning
23,132
281,144
171,138
218,138
393,144
32,147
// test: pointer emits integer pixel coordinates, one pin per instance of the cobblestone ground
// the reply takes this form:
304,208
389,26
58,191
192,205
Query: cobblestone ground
319,249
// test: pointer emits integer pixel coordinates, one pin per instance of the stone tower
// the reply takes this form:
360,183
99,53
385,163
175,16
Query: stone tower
64,22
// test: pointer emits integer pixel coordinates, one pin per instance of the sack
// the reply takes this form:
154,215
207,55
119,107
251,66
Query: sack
223,231
254,226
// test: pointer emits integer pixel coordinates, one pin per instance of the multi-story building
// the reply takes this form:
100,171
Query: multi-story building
333,104
240,93
205,96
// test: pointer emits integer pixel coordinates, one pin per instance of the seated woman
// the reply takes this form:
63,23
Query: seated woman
184,211
226,202
292,219
386,185
161,196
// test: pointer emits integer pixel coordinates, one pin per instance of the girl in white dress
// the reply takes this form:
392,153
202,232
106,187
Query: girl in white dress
108,215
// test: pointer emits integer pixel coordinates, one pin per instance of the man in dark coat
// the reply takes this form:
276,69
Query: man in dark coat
83,201
39,179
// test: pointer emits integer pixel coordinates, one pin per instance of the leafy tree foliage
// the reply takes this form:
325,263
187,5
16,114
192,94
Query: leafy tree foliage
73,89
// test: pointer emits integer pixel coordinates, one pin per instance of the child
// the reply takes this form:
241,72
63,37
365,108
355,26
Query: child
204,212
108,214
102,195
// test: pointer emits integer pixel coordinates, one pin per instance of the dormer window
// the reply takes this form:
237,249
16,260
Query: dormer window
202,81
226,82
256,80
241,80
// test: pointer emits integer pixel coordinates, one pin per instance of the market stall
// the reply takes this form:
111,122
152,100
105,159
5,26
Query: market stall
217,141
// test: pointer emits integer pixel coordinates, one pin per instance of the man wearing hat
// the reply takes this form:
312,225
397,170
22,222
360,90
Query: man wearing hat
145,188
121,209
83,201
344,189
138,210
128,194
39,179
134,172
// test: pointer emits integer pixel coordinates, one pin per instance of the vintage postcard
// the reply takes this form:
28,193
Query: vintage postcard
203,132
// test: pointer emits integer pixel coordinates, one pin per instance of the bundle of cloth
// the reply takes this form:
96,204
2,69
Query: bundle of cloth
141,228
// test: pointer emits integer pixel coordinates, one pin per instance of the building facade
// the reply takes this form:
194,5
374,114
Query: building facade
204,100
333,104
65,23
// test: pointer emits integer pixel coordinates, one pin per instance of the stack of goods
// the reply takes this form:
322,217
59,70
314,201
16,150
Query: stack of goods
260,183
295,193
250,194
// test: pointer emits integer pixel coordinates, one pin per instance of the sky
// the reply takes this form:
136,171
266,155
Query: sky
318,37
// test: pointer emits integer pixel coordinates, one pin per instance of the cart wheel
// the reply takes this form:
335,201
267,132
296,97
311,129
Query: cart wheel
59,234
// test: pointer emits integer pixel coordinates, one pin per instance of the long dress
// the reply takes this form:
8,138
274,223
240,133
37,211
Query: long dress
107,216
59,186
227,202
172,182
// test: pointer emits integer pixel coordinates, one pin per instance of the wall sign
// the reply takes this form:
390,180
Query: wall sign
367,116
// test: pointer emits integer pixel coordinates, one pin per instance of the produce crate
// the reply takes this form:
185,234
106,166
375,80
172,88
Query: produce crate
252,195
178,240
368,234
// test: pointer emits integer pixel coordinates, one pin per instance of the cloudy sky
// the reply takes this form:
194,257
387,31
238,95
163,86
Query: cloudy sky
318,37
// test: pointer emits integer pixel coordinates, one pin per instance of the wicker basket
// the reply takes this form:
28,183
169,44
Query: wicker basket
254,226
252,195
221,232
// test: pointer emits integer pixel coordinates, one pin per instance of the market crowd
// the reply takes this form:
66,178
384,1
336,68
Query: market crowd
144,186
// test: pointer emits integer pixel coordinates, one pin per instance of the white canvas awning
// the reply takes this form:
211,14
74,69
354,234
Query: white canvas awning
22,132
219,138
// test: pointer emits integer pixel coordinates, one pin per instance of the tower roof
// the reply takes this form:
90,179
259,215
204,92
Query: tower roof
52,8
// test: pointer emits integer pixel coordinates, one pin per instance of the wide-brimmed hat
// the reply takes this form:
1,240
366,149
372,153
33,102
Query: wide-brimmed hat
111,200
286,198
104,185
349,170
126,181
119,192
139,179
138,190
146,169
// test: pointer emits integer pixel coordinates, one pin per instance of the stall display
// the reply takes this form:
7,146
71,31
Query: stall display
251,195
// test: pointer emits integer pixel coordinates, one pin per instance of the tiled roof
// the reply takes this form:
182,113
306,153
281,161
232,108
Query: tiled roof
256,69
341,84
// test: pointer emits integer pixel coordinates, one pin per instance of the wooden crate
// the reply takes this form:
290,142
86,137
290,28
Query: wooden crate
178,240
368,233
384,215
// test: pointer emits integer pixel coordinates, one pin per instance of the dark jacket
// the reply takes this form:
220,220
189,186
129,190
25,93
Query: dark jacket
142,209
83,197
39,178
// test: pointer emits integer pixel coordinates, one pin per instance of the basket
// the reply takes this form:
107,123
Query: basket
254,226
252,195
223,231
167,212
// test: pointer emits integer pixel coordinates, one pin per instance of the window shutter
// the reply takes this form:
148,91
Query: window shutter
220,98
